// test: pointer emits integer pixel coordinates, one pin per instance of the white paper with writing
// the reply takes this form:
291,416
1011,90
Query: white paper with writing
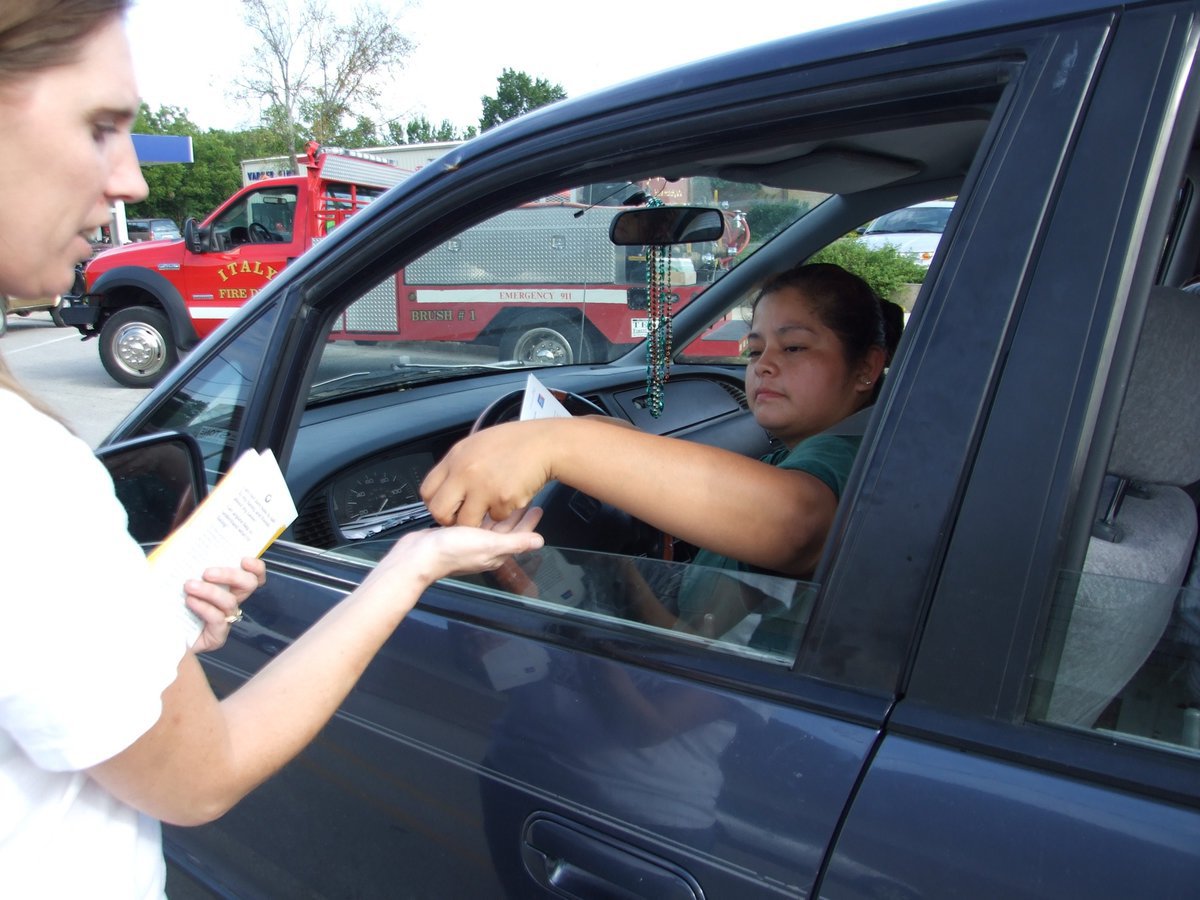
250,507
539,403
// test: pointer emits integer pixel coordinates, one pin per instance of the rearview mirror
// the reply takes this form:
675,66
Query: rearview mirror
158,479
666,225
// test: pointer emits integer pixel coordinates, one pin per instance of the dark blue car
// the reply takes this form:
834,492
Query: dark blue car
991,688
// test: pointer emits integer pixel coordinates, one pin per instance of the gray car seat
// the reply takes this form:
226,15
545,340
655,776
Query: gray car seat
1135,566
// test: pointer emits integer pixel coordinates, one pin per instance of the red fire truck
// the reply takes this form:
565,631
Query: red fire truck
148,302
543,282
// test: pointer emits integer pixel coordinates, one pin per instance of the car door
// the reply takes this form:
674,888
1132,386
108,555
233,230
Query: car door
984,785
503,747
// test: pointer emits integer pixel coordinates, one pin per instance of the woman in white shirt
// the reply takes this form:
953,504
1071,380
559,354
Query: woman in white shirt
107,723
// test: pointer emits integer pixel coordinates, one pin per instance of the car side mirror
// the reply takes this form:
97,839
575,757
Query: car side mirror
194,236
658,225
158,479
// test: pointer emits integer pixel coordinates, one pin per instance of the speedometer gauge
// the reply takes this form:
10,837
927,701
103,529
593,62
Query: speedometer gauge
377,492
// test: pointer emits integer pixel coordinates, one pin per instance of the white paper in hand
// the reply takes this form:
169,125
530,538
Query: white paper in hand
539,403
250,507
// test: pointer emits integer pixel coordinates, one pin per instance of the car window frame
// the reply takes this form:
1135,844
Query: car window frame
684,658
1048,481
496,182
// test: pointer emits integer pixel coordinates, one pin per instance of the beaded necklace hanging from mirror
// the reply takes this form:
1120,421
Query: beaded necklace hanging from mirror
658,325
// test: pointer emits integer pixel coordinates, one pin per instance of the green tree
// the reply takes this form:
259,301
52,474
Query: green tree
180,190
349,63
256,143
312,67
517,94
884,269
766,217
329,129
420,130
166,181
362,134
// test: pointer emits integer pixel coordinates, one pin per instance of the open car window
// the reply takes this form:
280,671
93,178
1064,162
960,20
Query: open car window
412,343
544,285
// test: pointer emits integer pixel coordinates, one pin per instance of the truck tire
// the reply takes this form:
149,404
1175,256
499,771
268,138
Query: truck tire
56,315
136,346
540,341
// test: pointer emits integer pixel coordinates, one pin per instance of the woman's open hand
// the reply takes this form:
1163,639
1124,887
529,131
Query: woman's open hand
435,553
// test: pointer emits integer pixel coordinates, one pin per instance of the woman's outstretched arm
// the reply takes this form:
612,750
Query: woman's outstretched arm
203,755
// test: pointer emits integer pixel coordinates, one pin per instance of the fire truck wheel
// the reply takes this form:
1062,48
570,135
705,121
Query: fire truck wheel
540,344
135,346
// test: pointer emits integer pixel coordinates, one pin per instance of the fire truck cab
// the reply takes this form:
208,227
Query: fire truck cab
149,302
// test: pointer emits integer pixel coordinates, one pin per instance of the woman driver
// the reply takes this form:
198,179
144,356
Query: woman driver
818,344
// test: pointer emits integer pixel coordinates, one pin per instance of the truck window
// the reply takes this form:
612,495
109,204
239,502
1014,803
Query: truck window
260,217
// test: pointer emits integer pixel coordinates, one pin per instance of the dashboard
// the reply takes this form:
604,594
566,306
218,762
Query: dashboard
378,496
358,464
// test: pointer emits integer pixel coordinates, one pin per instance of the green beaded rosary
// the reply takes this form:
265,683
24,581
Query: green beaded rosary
658,327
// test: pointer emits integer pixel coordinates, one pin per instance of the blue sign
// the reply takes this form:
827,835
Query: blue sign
162,148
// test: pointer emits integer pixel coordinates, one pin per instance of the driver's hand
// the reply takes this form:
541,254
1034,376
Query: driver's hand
494,472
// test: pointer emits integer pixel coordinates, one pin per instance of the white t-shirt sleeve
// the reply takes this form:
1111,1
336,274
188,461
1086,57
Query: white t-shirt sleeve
86,645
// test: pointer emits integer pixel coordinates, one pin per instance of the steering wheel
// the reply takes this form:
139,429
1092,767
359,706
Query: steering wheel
570,518
507,407
260,234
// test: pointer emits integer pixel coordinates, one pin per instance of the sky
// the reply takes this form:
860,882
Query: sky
186,55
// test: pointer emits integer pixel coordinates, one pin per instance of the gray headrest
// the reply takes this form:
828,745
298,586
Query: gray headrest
1158,430
854,425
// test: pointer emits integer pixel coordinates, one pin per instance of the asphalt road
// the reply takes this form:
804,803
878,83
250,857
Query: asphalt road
65,372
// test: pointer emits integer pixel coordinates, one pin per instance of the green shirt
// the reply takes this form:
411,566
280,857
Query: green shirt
777,626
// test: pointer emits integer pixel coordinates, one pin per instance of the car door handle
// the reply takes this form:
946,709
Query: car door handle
574,861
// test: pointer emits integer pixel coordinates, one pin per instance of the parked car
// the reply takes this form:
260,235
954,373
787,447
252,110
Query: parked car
19,307
989,688
152,230
913,231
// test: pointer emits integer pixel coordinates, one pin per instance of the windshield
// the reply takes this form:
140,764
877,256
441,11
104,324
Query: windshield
542,284
913,220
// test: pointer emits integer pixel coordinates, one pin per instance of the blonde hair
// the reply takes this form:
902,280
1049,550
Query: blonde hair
41,34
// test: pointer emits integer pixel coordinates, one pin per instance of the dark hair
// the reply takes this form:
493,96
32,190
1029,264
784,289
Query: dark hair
42,34
846,305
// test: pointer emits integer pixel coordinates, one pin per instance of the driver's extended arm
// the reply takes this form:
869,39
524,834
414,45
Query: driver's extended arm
739,507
